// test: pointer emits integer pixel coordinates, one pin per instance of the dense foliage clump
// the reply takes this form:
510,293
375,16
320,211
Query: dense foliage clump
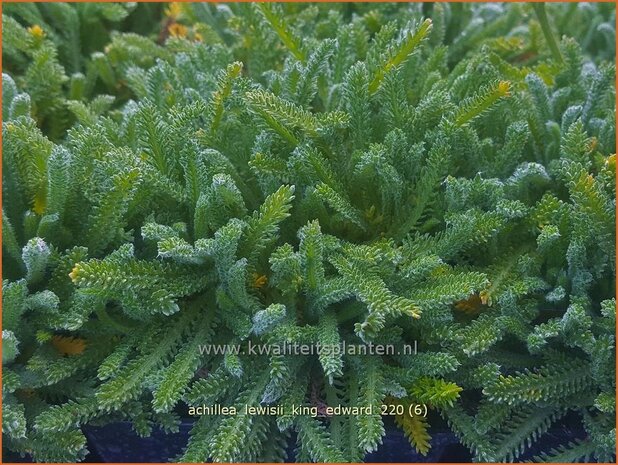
432,174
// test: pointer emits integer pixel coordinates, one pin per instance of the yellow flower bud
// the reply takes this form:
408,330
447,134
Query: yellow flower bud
36,31
177,30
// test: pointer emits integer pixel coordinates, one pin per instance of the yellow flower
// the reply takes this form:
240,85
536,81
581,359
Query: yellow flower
503,88
177,30
74,274
36,31
174,10
68,345
472,305
485,297
259,280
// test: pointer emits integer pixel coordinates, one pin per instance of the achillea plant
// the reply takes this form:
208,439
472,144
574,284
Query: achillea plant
319,174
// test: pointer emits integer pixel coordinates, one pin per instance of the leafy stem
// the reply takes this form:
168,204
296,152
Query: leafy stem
541,14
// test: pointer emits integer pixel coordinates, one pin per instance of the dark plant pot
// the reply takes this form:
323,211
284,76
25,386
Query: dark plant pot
117,442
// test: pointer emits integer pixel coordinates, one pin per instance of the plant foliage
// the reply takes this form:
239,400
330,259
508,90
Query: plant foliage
440,174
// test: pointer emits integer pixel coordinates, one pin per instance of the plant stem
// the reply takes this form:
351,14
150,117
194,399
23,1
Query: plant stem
541,14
